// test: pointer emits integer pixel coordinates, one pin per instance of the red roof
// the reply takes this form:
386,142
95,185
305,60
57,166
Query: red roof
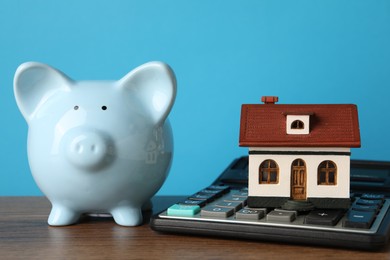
264,125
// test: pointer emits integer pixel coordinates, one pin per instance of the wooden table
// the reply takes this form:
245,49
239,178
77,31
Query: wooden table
24,234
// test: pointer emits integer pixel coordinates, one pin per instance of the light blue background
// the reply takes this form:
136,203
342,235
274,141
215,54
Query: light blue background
224,53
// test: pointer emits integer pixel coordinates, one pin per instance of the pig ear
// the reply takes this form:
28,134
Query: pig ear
34,83
154,83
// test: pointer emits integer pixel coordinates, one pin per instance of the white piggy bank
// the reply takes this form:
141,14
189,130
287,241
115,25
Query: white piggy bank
97,146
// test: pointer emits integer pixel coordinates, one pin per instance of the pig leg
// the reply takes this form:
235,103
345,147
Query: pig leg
127,216
62,216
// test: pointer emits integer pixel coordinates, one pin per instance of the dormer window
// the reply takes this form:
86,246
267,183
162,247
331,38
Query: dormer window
298,123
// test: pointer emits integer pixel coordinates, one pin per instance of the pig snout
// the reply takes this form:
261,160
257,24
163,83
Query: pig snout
89,150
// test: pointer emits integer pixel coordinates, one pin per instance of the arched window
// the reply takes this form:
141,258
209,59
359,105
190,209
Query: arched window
297,124
327,173
268,172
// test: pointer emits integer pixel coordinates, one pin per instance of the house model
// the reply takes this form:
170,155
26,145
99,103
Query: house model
299,154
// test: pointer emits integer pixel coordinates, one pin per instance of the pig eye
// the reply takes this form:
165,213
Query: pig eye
76,107
104,108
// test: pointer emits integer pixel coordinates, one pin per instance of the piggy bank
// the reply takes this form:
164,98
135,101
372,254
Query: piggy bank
97,146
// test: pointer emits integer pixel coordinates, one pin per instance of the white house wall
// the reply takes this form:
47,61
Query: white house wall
284,161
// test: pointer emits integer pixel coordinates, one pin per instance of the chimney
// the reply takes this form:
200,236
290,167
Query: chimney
269,99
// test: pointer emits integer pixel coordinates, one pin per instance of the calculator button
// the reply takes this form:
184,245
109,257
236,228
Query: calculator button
286,210
281,216
368,196
210,191
253,214
201,196
223,189
243,194
200,203
216,193
230,204
183,210
373,208
359,219
218,212
235,199
324,217
369,202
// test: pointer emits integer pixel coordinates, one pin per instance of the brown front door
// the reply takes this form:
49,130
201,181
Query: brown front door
298,180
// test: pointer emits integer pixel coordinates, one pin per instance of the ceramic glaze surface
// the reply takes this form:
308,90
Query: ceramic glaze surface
97,146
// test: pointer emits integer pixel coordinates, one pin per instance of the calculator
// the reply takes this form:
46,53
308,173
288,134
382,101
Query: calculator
220,209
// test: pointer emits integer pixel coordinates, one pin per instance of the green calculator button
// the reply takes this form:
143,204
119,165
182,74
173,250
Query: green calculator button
183,210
